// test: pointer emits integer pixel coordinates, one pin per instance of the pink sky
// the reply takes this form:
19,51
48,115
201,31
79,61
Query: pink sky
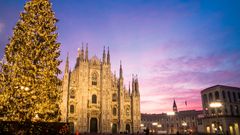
177,48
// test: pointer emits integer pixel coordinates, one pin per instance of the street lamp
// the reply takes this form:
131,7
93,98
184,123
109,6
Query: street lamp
184,124
171,114
216,105
154,126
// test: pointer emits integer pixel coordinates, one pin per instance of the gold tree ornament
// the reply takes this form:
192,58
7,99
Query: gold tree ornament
29,76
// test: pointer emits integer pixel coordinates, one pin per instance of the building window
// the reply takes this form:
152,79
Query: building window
226,110
94,79
231,109
94,99
236,110
223,94
234,97
114,111
217,95
71,108
210,97
114,97
72,93
229,97
205,99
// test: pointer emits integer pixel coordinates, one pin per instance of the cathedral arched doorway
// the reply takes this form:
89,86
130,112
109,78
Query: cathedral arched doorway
128,128
93,125
114,128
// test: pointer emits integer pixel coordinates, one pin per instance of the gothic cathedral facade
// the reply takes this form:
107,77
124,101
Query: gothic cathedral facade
95,100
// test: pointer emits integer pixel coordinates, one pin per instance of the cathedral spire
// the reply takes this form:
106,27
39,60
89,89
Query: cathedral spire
108,56
78,58
136,85
104,56
79,52
86,53
133,84
67,64
121,71
82,53
174,106
129,89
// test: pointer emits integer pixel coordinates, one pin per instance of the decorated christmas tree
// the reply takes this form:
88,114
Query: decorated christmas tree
29,82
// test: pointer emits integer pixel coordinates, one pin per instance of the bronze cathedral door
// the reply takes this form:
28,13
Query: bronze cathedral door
93,125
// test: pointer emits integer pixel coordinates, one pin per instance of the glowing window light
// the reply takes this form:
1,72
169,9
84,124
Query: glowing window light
215,104
154,123
170,113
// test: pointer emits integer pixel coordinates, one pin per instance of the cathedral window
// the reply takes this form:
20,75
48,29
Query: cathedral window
114,97
71,108
94,99
72,93
94,79
114,111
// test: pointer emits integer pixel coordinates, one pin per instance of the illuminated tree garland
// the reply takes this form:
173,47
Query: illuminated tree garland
28,79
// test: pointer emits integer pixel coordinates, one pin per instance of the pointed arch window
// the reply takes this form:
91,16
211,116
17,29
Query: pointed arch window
94,79
114,97
94,99
114,111
72,93
71,108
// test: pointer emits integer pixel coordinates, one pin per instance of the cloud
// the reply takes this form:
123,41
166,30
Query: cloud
182,78
1,27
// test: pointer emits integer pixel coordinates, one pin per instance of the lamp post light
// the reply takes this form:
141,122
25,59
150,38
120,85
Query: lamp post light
216,105
154,126
184,124
171,114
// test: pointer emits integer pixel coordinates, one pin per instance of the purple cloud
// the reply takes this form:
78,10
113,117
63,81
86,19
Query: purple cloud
183,78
